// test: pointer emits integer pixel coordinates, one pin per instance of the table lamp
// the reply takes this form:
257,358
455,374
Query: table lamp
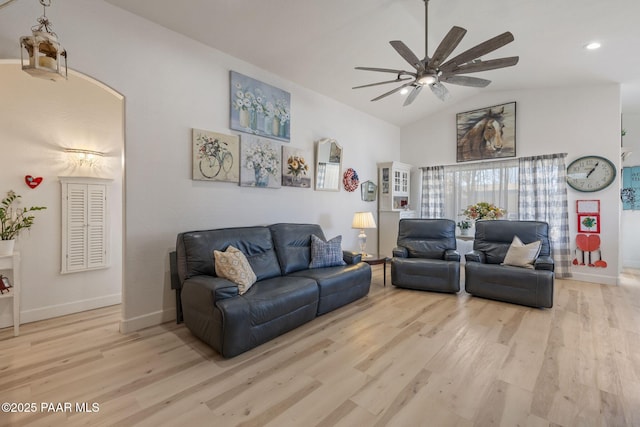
363,220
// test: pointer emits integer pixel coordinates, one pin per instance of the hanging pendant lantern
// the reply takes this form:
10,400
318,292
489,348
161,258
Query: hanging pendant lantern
46,58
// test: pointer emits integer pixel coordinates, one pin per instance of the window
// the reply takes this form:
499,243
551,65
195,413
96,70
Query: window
84,224
493,182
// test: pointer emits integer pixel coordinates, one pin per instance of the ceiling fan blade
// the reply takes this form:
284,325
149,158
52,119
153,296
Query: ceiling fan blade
478,51
382,83
391,92
466,81
440,91
414,93
387,70
447,45
475,67
407,54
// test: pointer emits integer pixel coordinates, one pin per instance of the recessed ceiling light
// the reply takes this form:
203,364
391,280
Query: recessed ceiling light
593,46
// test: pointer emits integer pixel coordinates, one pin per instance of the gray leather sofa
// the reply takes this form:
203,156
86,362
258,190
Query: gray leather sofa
426,257
486,277
286,295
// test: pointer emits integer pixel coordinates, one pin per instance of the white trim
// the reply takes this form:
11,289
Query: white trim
147,320
594,278
51,311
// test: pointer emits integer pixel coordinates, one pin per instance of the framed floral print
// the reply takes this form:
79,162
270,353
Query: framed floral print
259,109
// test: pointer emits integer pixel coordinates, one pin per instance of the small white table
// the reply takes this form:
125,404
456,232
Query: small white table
11,264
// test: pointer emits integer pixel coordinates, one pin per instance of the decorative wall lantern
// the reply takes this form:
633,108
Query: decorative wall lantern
46,59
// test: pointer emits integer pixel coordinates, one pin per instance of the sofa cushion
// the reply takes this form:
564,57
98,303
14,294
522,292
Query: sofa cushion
494,238
233,265
521,255
279,296
293,245
326,254
195,251
427,238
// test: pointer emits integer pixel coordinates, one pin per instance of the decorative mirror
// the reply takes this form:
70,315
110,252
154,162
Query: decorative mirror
328,165
368,191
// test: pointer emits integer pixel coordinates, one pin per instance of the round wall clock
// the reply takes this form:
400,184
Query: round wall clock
590,173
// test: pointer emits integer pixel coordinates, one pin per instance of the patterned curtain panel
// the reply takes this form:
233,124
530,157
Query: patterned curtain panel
432,205
543,197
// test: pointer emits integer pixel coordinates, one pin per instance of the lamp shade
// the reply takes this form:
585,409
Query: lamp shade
363,220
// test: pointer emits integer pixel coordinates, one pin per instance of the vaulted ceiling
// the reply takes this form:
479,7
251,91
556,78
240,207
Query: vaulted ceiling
318,43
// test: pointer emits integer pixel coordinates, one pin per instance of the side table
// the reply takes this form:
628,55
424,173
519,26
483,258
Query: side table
374,259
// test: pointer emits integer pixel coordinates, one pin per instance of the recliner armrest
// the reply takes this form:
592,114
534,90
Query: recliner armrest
210,288
476,256
451,255
544,263
351,257
400,252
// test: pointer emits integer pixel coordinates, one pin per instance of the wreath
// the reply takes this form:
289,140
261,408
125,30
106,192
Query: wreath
350,180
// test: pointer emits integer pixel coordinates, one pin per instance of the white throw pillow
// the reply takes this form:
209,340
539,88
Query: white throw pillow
521,255
234,266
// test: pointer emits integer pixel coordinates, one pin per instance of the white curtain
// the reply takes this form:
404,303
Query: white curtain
543,197
432,204
493,182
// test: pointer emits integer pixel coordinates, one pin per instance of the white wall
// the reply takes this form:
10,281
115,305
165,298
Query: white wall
172,84
39,119
576,121
630,236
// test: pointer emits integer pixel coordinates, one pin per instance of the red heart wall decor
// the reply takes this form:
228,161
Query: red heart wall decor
32,182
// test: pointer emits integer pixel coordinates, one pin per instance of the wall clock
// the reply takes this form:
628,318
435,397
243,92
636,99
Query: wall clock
590,173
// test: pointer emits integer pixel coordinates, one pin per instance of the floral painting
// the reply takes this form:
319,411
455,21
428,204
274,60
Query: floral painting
260,162
215,156
259,109
296,167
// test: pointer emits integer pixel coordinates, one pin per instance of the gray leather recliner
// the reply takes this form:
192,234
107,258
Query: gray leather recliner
426,257
486,277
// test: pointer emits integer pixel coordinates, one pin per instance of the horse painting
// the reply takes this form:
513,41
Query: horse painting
486,134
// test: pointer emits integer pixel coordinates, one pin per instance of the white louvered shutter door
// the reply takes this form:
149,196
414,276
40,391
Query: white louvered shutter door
96,220
76,227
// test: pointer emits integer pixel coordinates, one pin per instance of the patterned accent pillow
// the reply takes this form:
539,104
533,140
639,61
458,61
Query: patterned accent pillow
234,266
521,255
326,254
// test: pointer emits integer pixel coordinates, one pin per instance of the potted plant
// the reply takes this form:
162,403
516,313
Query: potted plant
13,220
464,227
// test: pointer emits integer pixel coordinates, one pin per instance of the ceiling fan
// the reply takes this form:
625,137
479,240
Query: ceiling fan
434,71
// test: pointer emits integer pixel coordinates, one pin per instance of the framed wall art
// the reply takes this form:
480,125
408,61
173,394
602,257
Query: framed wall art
630,192
261,159
589,223
486,133
215,156
297,167
259,109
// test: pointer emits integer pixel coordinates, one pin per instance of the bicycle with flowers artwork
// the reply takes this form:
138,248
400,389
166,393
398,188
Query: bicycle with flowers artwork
259,109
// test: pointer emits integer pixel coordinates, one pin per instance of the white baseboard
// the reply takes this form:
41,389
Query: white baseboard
595,278
147,320
49,312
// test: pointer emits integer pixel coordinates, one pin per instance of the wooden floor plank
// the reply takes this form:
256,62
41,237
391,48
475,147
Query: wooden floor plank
394,358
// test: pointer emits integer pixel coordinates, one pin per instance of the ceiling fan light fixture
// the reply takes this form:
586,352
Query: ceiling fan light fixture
593,46
404,91
427,79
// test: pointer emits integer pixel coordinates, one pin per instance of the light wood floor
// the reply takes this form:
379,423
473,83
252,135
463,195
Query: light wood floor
396,357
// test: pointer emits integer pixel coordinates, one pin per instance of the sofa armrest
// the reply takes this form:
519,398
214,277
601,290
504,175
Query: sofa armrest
351,258
400,252
544,263
198,289
476,256
451,255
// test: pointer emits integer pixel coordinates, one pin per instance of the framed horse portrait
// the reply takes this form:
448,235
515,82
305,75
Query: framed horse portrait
486,133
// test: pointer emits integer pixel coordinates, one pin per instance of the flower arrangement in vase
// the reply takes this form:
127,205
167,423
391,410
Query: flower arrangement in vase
464,226
296,166
483,210
263,159
13,220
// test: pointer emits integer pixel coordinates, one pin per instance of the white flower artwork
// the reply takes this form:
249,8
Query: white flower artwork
261,162
259,109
